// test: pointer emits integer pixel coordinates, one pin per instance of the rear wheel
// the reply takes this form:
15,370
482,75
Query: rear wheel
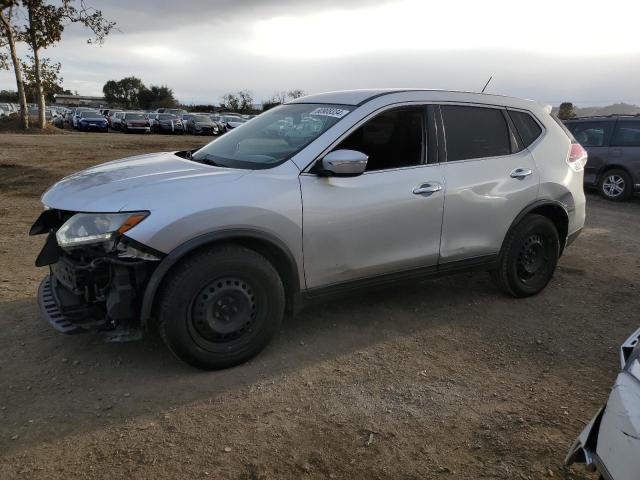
529,258
221,307
616,185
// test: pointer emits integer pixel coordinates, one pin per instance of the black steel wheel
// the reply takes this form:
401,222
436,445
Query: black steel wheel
529,257
221,307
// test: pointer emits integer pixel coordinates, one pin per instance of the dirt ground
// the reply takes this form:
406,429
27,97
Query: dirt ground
444,379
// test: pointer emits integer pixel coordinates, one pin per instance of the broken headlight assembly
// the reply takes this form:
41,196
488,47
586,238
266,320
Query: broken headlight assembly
96,229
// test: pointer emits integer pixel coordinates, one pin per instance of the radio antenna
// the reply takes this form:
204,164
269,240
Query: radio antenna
486,84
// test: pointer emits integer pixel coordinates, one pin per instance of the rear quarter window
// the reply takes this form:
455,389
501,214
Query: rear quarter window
527,127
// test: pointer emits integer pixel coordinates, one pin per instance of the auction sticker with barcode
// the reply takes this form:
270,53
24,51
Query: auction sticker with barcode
330,112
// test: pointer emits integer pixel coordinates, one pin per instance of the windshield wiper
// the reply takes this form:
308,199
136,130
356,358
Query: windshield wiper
206,159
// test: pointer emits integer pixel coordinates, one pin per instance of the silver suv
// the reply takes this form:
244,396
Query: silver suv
324,195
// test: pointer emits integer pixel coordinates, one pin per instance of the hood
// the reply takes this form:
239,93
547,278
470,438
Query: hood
138,183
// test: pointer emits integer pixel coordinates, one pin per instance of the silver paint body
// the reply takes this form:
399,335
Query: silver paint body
341,228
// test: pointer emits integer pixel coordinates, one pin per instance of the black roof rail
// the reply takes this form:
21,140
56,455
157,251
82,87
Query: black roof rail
611,115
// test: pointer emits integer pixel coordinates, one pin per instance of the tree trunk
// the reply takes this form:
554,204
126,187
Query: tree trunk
42,121
17,69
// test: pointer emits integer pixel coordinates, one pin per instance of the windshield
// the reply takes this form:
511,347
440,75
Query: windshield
273,137
201,118
135,116
164,116
90,114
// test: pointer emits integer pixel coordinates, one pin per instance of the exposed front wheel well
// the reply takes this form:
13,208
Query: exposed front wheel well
281,261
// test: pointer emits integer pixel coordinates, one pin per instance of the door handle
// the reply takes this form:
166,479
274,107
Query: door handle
427,188
521,173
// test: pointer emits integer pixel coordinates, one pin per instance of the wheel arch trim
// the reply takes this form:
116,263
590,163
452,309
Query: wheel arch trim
211,238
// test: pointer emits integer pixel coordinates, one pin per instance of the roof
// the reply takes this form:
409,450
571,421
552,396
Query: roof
611,116
359,97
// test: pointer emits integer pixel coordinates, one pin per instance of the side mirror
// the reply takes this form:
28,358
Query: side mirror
344,163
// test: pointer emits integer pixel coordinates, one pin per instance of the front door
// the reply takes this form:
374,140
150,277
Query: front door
385,221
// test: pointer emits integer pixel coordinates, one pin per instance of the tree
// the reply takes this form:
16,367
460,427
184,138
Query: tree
230,101
46,22
9,96
8,37
269,103
156,96
50,79
246,101
125,92
566,111
296,93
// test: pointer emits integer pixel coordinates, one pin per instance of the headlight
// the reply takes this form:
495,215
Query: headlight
96,228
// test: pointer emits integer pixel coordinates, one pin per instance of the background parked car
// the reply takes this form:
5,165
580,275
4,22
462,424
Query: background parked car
200,125
232,121
175,111
152,117
613,144
135,122
610,443
6,109
167,123
92,120
115,119
75,116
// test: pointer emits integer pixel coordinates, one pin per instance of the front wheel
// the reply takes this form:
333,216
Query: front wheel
529,257
221,307
616,185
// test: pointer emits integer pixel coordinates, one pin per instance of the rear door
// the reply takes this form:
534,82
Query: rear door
624,150
489,179
594,136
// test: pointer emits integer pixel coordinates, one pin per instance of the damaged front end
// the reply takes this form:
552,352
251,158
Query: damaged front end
97,275
610,443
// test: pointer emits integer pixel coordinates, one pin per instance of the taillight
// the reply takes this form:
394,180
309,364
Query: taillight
577,158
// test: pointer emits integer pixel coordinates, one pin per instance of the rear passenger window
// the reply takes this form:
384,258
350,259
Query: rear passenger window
527,127
475,132
590,134
626,134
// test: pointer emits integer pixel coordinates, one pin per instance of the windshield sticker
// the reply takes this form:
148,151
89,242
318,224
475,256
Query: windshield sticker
330,112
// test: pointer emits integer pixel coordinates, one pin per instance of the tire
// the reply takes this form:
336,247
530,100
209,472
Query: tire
529,257
616,185
221,307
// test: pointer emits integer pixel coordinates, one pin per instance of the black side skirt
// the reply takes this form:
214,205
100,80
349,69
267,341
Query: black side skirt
486,262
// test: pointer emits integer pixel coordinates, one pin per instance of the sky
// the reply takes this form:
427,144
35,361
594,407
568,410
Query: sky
550,51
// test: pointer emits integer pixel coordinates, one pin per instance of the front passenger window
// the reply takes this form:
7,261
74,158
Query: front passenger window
392,139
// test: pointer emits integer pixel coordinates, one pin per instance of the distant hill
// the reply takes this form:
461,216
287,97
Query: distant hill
615,109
